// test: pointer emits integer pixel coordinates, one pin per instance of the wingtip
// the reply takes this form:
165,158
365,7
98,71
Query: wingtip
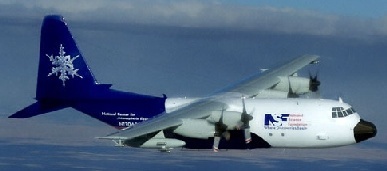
313,58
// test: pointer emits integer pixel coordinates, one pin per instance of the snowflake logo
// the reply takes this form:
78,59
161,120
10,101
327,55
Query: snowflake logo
63,65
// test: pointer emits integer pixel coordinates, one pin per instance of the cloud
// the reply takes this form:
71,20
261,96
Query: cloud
199,13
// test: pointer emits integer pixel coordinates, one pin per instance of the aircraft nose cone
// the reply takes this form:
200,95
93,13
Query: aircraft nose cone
364,130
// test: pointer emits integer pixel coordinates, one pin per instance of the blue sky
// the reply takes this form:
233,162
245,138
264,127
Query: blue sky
139,45
354,18
354,8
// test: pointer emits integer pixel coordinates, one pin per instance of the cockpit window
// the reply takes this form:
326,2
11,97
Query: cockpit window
339,112
345,113
353,110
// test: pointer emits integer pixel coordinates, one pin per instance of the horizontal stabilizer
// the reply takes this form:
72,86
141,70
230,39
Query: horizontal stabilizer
37,109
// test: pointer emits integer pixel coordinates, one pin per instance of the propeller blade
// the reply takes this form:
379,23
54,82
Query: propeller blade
314,83
216,144
243,105
247,135
220,130
245,119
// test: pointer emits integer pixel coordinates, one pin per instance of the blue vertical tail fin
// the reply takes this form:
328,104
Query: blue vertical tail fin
65,80
63,73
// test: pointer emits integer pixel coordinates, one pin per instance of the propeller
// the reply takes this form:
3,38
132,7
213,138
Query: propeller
314,83
220,130
245,119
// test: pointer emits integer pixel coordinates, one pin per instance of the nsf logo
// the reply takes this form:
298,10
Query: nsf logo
285,122
276,119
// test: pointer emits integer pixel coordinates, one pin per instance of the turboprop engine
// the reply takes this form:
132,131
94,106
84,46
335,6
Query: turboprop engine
298,85
291,86
204,128
217,125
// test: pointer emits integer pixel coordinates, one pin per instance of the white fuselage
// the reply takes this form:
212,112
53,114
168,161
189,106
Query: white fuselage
302,123
291,123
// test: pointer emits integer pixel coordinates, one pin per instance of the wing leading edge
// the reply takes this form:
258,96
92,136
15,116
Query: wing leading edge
253,85
203,108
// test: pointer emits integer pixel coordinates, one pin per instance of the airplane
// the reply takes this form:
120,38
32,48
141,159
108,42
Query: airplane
65,80
264,110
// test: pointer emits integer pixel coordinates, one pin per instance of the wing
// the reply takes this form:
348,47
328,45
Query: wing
204,107
199,109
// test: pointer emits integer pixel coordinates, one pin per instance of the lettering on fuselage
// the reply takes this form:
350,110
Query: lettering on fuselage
285,122
125,119
126,124
117,114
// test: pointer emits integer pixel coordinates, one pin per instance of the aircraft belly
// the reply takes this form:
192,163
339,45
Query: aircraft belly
236,141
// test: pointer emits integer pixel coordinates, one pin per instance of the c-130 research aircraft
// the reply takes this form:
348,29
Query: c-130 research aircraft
265,110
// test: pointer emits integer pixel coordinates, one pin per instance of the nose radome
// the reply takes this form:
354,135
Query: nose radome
364,130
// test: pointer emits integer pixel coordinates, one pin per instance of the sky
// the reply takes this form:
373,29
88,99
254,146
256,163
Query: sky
203,45
373,9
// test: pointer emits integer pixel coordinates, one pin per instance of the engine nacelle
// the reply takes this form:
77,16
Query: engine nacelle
230,118
299,85
205,128
196,128
269,93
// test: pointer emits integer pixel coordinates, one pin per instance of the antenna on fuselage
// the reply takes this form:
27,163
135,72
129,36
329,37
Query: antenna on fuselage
341,100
